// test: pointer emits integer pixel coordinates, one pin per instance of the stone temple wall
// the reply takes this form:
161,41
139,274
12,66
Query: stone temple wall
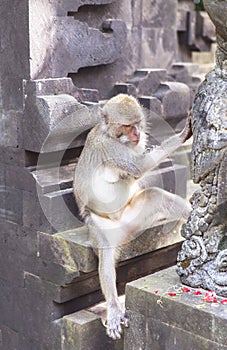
59,60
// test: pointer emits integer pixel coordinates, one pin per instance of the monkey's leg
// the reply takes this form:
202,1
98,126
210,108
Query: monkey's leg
105,242
151,207
107,276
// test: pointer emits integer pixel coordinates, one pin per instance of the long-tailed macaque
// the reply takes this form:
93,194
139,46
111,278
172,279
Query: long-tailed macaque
109,192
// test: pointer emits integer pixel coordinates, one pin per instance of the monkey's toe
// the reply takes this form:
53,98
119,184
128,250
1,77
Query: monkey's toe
114,327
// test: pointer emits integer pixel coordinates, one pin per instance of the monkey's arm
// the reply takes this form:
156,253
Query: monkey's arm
153,158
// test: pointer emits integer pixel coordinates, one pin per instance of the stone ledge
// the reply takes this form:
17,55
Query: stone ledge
184,321
83,330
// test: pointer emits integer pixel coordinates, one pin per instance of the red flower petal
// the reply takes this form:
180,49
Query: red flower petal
186,290
223,301
172,294
210,297
156,291
197,292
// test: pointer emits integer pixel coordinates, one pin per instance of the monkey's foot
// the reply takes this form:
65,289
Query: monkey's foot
114,325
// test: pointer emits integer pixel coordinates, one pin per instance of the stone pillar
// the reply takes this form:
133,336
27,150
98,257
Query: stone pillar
202,259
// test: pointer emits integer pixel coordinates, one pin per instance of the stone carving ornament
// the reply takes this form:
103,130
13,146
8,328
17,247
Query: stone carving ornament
202,261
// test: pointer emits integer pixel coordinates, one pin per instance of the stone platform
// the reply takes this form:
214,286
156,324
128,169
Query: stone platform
163,316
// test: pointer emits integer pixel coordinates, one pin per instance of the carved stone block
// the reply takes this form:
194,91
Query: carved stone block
54,119
73,43
62,7
175,98
147,80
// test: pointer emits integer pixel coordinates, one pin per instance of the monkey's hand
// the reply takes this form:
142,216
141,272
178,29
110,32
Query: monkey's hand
115,320
187,132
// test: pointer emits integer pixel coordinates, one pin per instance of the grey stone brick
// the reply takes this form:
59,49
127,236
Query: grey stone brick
12,155
76,328
69,248
14,63
13,205
153,104
147,80
74,43
39,221
205,28
13,264
175,98
53,341
18,177
17,239
56,273
181,317
10,127
71,5
157,14
52,122
34,310
125,88
9,339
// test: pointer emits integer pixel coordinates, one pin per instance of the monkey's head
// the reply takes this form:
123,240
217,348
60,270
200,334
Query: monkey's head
124,118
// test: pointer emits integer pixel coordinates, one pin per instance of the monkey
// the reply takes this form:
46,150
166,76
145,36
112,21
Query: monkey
108,187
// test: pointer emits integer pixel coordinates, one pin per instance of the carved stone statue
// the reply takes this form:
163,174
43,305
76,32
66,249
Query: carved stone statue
202,261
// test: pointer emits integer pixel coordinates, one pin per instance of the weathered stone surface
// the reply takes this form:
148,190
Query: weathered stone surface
183,71
70,248
13,273
63,6
73,43
78,326
50,179
14,63
158,40
8,338
55,121
175,98
13,204
52,342
159,20
172,322
187,73
153,104
205,28
31,205
55,211
12,156
17,239
19,177
147,80
40,324
10,128
125,88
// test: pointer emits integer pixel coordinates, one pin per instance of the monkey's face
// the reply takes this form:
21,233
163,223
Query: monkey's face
129,134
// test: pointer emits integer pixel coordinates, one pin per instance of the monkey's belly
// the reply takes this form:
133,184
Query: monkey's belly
109,198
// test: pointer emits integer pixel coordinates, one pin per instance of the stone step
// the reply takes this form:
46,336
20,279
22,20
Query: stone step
67,260
84,330
72,249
